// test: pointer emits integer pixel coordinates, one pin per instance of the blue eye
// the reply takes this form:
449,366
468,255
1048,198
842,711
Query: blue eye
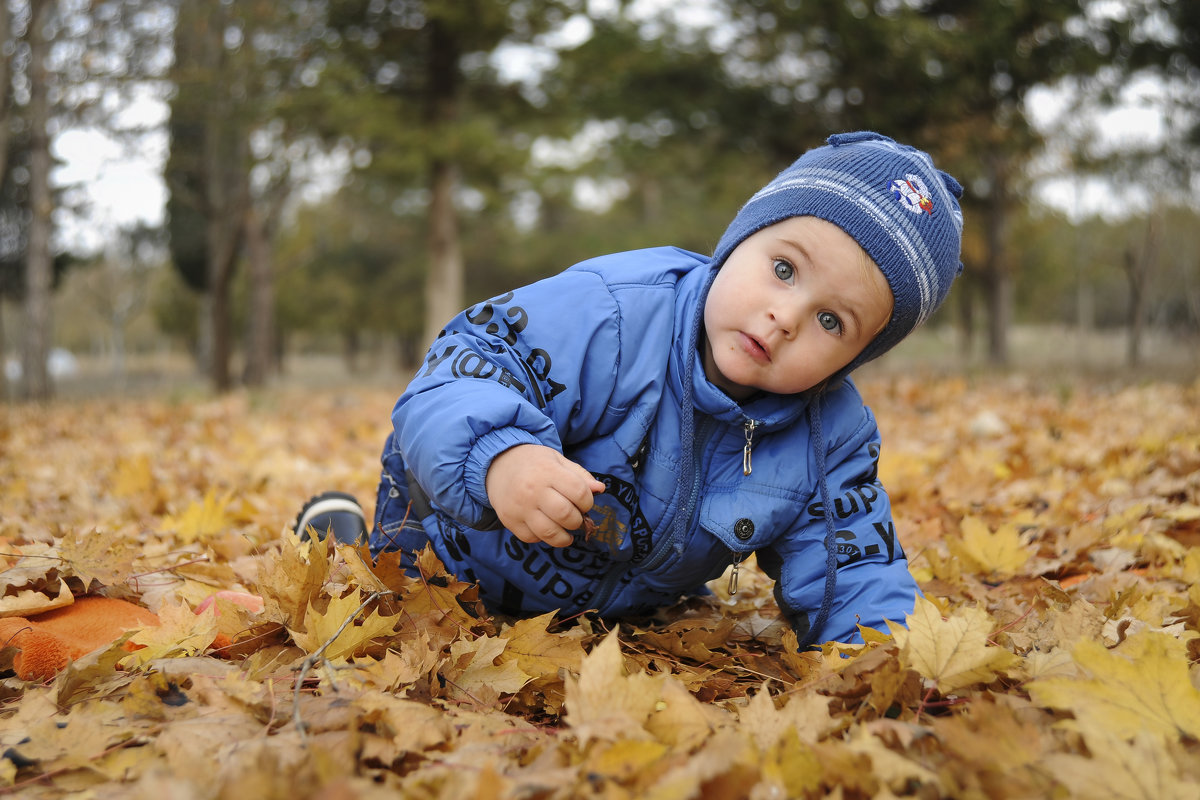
783,270
829,321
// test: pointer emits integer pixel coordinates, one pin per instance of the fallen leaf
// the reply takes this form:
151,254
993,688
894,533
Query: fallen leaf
339,627
1142,686
953,652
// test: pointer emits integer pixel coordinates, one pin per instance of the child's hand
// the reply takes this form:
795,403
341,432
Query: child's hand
539,494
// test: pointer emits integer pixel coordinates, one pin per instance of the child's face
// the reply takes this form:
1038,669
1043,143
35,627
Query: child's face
793,304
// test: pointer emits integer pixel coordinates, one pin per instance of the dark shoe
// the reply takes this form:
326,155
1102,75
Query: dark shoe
335,512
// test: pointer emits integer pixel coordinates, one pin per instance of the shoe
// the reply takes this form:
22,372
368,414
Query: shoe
335,512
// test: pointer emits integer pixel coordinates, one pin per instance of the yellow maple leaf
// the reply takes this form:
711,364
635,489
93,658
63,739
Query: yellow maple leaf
100,555
27,601
132,476
1140,769
542,654
622,760
952,652
437,595
475,667
1000,553
414,659
1141,686
291,580
606,703
887,765
681,721
411,726
320,628
200,520
180,632
805,715
1190,573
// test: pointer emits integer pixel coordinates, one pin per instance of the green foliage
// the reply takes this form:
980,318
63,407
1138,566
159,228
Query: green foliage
175,307
351,265
642,131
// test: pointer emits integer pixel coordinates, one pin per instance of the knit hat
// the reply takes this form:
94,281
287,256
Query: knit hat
891,199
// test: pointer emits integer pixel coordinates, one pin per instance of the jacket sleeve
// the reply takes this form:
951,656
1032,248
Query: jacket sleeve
873,583
536,365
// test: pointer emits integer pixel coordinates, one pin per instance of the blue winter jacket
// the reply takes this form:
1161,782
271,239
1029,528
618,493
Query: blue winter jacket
592,361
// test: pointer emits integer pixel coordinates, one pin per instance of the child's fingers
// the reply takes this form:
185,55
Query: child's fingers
581,493
540,527
563,512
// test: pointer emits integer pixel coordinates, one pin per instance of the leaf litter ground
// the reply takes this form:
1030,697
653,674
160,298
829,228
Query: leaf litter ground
1055,532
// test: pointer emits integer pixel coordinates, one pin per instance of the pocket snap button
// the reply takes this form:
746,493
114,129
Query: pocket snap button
743,529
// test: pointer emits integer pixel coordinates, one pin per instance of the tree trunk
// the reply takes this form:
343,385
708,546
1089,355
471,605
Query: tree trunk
444,281
351,347
222,252
1138,268
226,198
39,261
261,324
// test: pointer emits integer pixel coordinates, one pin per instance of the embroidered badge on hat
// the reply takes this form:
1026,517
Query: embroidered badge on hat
913,194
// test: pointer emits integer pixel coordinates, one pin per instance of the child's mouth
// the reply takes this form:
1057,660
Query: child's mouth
755,349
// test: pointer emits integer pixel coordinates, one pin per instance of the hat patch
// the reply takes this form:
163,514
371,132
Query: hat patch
913,194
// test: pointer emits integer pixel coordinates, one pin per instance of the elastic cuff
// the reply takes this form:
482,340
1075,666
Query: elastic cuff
486,448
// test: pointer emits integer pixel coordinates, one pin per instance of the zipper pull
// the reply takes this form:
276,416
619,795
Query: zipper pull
733,576
749,426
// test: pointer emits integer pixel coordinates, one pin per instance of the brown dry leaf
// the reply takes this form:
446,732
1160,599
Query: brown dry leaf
539,653
605,702
100,556
24,602
1072,526
473,669
806,716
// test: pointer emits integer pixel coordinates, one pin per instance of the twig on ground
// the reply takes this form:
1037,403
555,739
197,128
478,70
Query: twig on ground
319,656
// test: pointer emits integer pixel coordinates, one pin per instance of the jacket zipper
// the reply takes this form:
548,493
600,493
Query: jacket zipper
738,558
748,426
666,542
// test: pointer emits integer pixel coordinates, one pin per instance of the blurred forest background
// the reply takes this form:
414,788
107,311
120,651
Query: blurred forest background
341,176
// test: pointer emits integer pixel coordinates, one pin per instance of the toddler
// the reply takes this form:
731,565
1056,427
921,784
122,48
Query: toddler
613,437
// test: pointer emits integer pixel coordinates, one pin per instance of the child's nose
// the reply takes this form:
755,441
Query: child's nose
786,320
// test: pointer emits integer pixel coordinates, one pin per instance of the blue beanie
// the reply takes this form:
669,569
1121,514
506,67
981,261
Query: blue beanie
891,199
